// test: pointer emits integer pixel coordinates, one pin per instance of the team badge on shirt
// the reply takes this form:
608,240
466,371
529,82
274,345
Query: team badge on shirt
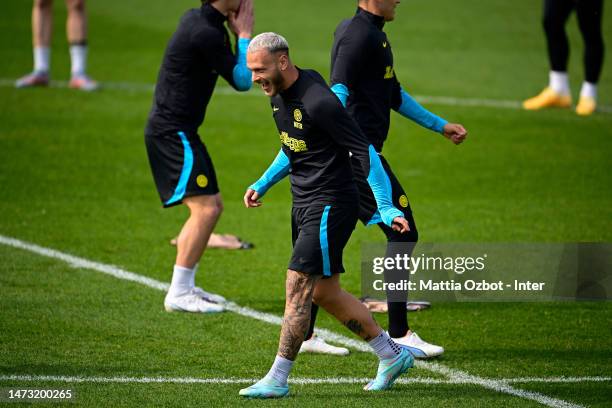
297,115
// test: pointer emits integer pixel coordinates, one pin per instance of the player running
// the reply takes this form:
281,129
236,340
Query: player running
363,77
198,52
316,135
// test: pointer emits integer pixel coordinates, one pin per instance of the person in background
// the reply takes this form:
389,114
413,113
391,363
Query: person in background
557,93
76,31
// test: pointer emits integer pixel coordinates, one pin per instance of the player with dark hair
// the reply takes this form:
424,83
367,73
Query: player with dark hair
557,93
363,77
316,135
198,52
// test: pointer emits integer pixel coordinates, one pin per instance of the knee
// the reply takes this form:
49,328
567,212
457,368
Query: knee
75,5
320,296
220,207
592,37
43,4
207,212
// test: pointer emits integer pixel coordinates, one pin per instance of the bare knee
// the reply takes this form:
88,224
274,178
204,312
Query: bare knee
43,4
325,292
300,287
220,206
204,207
75,5
211,212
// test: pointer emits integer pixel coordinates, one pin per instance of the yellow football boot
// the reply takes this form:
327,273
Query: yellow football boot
586,106
548,99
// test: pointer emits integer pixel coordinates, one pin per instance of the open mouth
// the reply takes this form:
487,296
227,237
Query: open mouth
265,86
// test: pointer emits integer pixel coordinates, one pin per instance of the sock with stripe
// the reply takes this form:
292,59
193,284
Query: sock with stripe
384,346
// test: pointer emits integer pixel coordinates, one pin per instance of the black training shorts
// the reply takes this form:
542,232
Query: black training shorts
320,233
181,166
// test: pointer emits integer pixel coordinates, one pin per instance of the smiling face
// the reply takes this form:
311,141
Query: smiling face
267,69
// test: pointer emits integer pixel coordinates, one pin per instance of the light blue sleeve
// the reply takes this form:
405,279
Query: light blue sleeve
241,74
381,187
276,172
412,110
341,92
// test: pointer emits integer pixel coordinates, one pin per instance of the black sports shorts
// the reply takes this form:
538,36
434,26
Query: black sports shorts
181,166
320,233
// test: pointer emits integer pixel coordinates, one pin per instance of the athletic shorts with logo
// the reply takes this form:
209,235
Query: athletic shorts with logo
319,234
181,166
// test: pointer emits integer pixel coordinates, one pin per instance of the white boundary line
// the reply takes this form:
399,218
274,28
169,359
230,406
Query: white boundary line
297,380
452,374
226,90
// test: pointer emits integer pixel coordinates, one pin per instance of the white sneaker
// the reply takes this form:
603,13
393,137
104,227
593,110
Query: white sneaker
190,302
317,345
209,297
417,347
83,82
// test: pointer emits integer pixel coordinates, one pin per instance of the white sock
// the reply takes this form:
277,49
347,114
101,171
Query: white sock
384,346
559,82
42,59
182,279
78,58
280,370
589,90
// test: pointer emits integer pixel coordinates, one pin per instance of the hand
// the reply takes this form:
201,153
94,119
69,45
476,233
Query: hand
455,132
251,198
241,22
400,225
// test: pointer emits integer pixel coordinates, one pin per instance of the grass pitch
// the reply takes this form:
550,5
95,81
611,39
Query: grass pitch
74,177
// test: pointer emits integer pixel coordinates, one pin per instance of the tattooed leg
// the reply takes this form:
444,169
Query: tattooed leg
346,308
299,290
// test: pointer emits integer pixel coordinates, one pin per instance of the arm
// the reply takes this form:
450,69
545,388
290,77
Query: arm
345,63
231,67
241,24
342,92
333,117
408,107
241,74
277,171
412,110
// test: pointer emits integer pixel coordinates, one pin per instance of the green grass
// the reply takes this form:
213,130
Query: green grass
75,177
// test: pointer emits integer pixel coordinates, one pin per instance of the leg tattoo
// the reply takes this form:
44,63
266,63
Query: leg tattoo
299,289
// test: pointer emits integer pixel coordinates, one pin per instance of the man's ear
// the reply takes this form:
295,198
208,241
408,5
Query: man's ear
283,61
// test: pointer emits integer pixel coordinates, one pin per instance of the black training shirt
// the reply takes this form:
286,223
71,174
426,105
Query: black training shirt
198,52
317,134
362,60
